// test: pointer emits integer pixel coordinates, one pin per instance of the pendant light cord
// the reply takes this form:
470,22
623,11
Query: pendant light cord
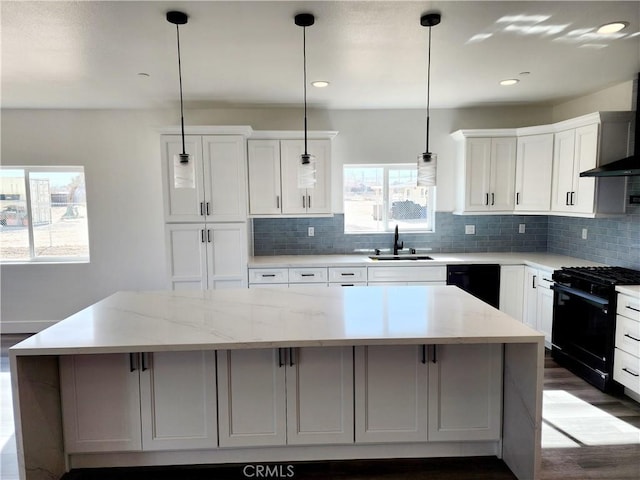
428,87
180,77
304,69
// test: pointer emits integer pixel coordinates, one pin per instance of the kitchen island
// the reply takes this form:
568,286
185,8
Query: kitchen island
279,375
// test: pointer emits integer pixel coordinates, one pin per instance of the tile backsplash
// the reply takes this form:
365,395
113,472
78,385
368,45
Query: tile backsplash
494,233
612,241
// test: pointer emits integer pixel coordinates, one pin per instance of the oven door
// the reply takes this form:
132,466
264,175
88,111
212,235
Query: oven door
583,329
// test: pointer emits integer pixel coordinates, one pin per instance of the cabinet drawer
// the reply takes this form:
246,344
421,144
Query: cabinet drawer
629,307
307,275
544,279
628,335
268,275
626,370
407,274
347,274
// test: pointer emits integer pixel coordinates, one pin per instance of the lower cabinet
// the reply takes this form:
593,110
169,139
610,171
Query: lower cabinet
134,402
294,396
207,255
512,290
538,301
434,393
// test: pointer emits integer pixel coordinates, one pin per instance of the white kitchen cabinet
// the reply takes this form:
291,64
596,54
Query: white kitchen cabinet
465,392
399,275
626,362
534,166
486,174
512,290
273,178
127,402
210,188
582,144
538,301
274,396
347,276
308,276
390,394
207,256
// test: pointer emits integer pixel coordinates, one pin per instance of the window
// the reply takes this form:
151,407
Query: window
379,197
43,214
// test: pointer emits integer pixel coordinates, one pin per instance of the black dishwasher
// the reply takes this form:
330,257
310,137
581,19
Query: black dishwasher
482,281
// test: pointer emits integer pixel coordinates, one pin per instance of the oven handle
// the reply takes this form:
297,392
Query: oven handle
603,302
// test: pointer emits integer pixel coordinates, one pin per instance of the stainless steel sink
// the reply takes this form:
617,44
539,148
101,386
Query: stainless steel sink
400,257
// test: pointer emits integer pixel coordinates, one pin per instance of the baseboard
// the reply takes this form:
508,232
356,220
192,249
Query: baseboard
25,326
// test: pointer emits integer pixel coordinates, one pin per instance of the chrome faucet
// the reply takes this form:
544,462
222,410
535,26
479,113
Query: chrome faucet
397,246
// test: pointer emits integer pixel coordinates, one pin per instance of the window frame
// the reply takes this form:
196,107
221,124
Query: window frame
41,259
388,226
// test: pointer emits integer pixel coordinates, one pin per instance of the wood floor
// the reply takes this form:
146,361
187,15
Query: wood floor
586,435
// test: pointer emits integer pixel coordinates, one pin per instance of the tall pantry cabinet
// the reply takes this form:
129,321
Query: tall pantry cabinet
205,208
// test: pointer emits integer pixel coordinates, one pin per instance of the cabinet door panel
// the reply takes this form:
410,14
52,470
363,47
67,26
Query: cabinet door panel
534,168
503,171
586,156
545,313
319,197
228,255
225,177
187,256
320,396
390,394
562,186
465,392
264,177
182,197
294,199
178,399
251,398
100,403
512,290
530,308
477,173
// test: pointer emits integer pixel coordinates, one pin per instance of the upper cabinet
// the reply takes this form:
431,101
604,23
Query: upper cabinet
486,173
211,188
273,177
542,175
534,166
583,144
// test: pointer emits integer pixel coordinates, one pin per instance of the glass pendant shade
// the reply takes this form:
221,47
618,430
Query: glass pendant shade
427,169
307,171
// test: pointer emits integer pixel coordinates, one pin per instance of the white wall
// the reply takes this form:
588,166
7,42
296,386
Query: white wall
121,155
616,98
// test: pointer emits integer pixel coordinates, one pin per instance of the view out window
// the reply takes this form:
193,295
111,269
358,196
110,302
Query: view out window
43,214
379,197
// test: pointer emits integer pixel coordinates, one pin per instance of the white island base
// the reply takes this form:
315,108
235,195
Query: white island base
278,375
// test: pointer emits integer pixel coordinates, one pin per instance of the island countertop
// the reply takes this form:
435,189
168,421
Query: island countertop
261,318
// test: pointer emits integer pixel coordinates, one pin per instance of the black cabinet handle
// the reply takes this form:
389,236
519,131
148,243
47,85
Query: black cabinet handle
533,281
303,201
566,200
209,235
145,367
424,354
630,372
352,274
277,201
201,208
202,236
632,338
434,358
133,364
308,201
347,285
208,212
268,275
280,361
308,275
486,199
517,198
632,308
493,199
291,362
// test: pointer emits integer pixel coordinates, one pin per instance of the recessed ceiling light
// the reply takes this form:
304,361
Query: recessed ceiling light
509,81
612,27
320,83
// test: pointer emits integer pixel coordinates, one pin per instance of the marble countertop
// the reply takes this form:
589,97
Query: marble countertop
277,317
548,261
632,290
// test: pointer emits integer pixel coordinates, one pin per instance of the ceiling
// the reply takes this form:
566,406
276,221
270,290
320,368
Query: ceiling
89,54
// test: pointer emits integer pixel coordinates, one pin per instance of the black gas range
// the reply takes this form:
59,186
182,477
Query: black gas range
584,320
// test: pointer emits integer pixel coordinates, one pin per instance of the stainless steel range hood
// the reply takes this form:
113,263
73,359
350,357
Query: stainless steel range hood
626,167
629,166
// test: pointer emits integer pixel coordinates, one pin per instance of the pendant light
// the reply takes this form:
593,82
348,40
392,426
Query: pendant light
427,160
180,18
307,165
